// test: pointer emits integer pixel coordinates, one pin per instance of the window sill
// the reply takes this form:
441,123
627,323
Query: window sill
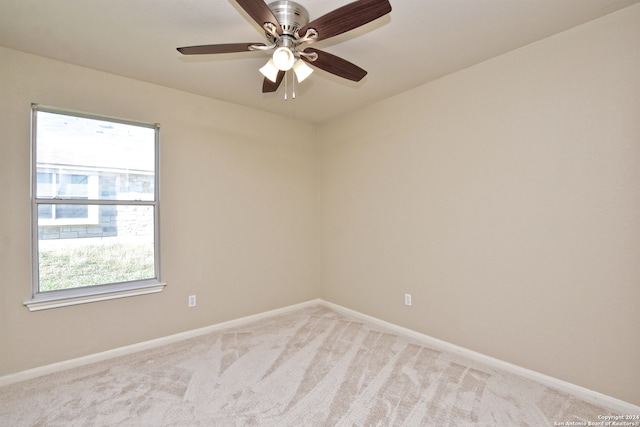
46,301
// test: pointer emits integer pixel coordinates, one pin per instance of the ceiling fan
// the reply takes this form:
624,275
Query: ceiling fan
288,32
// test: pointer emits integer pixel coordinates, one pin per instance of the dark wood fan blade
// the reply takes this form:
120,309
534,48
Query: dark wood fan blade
259,12
348,17
269,86
336,65
217,48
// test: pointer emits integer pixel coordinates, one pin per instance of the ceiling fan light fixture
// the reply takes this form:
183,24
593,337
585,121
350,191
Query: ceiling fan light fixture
270,71
283,58
302,70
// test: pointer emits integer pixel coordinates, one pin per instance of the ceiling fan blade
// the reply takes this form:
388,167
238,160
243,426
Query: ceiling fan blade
336,65
348,17
259,12
217,48
269,86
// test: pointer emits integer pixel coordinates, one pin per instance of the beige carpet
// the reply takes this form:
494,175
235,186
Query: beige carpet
310,367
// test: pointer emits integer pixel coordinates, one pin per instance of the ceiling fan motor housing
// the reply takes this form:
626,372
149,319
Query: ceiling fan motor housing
290,15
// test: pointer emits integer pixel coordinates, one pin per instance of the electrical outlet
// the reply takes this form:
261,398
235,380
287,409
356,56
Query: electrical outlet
407,299
192,300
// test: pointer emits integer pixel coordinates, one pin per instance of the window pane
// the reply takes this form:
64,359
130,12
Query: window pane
45,184
73,186
45,211
72,211
94,158
64,215
118,249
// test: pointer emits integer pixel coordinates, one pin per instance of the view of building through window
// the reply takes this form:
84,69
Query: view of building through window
95,204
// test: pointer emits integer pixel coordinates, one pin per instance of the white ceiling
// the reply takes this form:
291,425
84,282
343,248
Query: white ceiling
421,40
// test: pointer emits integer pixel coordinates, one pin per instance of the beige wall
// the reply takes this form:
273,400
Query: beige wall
506,199
239,217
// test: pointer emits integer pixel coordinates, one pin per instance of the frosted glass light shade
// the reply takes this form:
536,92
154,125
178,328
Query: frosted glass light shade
283,58
270,71
302,70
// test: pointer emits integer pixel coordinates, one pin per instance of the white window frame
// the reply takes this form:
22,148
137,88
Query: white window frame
66,297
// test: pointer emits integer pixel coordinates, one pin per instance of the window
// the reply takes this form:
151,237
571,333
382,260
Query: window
94,208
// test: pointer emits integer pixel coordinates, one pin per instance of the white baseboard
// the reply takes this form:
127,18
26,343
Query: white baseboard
145,345
619,406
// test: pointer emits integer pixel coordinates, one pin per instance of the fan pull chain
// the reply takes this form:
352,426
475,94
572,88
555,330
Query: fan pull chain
286,86
293,86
